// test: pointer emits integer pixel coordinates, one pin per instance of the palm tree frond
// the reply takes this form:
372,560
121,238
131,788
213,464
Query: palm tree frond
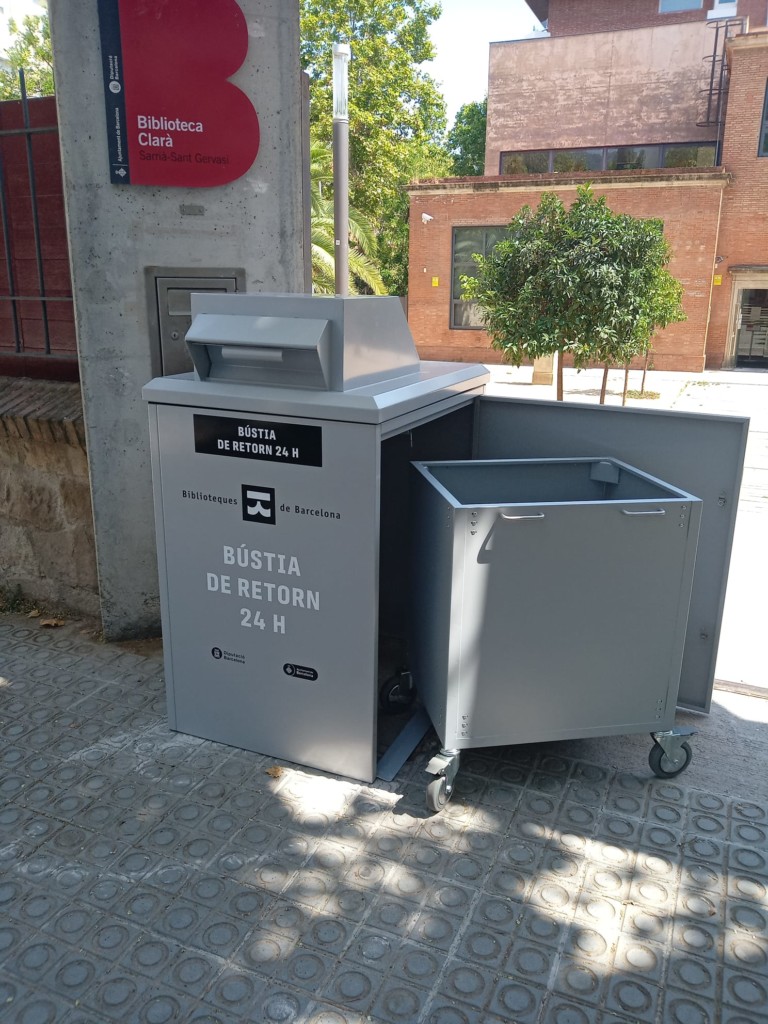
363,267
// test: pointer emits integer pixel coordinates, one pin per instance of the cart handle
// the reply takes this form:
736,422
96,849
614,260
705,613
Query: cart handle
514,519
644,512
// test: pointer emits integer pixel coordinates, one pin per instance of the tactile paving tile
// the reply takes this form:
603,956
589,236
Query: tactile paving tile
330,935
74,975
150,955
192,972
110,938
30,960
353,986
38,1007
235,991
322,1013
305,969
153,877
161,1006
397,1003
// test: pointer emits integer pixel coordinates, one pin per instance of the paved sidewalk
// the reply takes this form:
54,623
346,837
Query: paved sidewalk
150,877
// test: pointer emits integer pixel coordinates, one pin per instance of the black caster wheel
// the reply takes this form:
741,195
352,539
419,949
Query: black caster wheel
663,766
397,694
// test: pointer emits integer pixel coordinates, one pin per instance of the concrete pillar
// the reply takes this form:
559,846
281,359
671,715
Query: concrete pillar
117,231
543,370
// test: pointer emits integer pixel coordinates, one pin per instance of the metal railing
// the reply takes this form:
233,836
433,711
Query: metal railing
716,91
34,341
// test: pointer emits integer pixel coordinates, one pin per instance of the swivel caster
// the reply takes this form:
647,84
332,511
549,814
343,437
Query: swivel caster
670,754
397,694
444,766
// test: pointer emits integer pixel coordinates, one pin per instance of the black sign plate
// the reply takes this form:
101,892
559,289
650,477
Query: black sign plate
292,443
114,92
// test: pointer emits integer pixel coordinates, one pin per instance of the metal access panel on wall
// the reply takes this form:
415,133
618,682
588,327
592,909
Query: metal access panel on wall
169,298
701,454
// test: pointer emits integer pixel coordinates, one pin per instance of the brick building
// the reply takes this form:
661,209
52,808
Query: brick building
663,106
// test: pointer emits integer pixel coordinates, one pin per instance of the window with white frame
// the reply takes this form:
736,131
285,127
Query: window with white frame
723,9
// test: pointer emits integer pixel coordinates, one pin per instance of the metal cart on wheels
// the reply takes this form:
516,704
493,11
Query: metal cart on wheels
550,601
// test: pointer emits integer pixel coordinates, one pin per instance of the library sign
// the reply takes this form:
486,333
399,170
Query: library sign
173,116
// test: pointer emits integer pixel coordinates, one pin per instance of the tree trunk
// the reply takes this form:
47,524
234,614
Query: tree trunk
560,375
604,385
626,384
645,369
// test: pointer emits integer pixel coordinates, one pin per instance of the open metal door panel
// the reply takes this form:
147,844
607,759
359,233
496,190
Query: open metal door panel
703,455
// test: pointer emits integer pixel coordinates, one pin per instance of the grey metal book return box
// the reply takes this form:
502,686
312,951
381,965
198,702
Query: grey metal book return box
550,601
285,514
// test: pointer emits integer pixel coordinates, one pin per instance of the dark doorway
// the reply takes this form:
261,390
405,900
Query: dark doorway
752,328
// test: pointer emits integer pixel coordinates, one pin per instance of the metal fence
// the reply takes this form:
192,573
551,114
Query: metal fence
37,332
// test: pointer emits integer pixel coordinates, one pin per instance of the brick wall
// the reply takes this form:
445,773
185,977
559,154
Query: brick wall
575,17
689,205
756,11
743,238
629,88
46,525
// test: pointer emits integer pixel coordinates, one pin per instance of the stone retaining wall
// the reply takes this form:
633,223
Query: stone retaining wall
46,526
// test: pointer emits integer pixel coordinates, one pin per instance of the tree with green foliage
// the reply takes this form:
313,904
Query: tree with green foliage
417,164
396,112
362,240
584,282
31,52
466,140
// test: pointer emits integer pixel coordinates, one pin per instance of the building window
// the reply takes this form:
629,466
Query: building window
610,158
577,160
689,154
763,148
533,162
723,9
632,158
673,154
466,242
671,6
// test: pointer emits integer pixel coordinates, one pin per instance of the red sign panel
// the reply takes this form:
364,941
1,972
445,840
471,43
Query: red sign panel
173,116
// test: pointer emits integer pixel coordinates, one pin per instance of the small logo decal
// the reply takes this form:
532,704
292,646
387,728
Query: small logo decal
224,655
300,672
258,504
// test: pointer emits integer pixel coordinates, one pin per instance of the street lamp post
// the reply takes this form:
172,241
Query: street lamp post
341,55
